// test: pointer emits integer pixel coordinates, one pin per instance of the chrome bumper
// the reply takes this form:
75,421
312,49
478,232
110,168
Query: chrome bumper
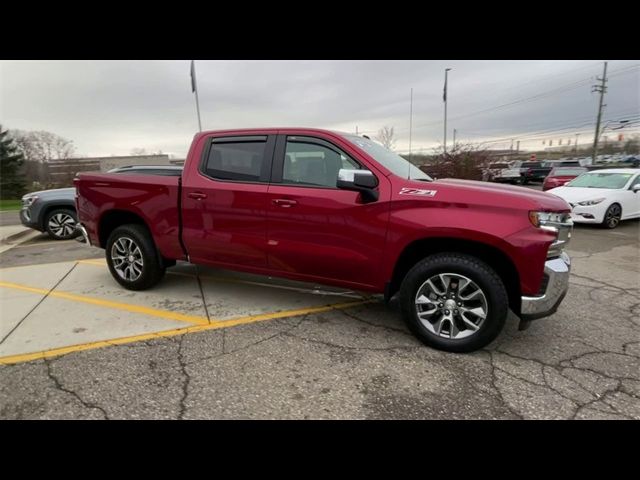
83,236
557,270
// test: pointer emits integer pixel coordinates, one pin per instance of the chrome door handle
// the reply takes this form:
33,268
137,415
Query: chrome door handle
284,203
197,195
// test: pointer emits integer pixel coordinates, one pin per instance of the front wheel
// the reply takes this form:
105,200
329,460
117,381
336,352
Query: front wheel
454,302
132,257
612,216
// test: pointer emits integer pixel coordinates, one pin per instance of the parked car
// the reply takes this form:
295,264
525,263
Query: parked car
561,175
533,171
631,161
501,172
54,211
603,196
334,208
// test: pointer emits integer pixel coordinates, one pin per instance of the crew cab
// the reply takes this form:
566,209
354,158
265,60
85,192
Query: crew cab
334,208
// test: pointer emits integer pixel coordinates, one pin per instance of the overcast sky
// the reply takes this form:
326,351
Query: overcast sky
111,107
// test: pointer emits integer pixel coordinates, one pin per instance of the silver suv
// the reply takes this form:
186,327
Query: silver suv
54,211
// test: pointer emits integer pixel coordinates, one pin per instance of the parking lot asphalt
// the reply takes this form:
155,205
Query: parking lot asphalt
290,350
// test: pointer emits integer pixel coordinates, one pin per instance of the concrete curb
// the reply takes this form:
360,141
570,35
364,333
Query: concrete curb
16,236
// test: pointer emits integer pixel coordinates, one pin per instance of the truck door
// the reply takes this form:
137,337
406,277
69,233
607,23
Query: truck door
224,202
316,229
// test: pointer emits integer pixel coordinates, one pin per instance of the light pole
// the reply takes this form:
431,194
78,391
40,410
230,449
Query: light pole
444,98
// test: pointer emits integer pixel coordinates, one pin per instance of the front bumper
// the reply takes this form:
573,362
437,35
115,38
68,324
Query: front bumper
27,219
557,271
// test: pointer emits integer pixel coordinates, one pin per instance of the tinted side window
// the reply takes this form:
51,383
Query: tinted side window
240,161
313,164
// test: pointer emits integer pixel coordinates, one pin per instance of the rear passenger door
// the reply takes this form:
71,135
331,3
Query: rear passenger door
224,202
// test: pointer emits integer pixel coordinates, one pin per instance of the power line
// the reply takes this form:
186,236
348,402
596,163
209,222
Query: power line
564,88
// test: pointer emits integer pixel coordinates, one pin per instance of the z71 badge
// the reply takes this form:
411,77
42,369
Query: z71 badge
418,191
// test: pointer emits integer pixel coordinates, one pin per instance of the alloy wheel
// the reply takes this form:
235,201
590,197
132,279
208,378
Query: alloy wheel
451,305
126,258
62,224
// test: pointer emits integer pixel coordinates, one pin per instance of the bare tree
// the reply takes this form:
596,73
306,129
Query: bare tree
386,137
42,146
466,161
139,152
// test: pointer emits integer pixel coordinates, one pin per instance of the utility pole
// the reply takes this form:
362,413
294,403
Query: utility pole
575,146
600,89
454,138
511,147
518,147
444,98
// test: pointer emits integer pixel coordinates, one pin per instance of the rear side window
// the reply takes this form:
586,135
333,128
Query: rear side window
236,160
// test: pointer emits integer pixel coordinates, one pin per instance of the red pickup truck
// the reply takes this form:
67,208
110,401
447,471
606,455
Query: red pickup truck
335,208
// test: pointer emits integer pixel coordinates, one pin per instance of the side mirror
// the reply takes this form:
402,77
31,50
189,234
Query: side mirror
362,181
636,188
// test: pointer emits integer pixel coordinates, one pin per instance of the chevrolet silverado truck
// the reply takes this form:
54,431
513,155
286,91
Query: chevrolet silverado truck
338,209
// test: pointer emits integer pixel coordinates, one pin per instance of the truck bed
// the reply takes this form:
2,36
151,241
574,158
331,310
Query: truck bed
155,198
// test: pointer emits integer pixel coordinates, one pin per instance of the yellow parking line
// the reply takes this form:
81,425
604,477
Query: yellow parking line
194,320
99,263
55,352
71,262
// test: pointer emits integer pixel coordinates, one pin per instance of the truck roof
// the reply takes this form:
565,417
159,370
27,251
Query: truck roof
274,130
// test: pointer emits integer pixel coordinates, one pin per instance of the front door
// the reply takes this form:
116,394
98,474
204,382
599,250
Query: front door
224,203
314,228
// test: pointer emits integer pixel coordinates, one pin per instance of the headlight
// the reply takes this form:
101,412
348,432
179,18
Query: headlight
27,201
595,201
559,224
539,219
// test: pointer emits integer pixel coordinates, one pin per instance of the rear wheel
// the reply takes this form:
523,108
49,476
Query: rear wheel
132,257
60,224
454,302
612,216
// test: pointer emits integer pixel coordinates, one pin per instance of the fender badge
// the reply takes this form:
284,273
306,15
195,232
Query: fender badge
417,191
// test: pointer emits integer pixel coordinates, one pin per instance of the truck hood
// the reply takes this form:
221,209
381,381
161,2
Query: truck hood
505,195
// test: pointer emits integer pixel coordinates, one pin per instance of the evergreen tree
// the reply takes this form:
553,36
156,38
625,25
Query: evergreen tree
12,184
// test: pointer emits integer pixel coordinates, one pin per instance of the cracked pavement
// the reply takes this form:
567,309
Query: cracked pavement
581,363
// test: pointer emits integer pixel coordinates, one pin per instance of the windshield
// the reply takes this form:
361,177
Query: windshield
600,180
392,161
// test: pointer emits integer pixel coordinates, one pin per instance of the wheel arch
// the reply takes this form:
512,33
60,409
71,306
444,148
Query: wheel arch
493,256
47,209
112,219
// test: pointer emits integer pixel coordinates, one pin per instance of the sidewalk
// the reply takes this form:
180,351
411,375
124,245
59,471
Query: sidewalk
12,235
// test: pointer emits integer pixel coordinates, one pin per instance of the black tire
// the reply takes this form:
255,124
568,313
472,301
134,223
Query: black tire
485,278
60,224
612,216
149,273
